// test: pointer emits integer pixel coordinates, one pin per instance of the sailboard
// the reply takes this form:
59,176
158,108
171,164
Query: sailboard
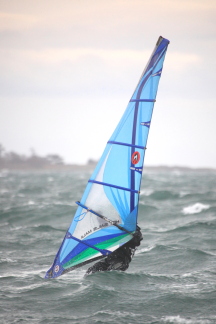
106,215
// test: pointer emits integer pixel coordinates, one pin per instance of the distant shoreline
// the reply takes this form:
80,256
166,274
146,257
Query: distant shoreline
91,166
12,161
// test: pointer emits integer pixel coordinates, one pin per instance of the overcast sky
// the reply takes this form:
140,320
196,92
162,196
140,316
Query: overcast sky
69,68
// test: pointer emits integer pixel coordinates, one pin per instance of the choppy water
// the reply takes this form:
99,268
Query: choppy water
172,278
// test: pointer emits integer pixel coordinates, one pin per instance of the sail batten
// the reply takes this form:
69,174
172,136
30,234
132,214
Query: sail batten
113,188
142,100
127,144
103,252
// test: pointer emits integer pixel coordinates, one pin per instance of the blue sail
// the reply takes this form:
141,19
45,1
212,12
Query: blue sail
106,216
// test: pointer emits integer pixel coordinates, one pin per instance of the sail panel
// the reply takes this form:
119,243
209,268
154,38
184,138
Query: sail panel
106,216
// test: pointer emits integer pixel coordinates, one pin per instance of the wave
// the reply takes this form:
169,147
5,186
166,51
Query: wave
199,252
164,195
193,225
46,228
195,208
147,209
115,316
182,320
146,192
6,261
175,250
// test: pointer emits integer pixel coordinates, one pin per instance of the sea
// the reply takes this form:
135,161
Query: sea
171,279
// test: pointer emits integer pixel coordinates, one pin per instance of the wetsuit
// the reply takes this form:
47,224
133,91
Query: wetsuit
120,258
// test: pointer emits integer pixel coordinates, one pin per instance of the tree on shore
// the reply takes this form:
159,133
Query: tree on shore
13,160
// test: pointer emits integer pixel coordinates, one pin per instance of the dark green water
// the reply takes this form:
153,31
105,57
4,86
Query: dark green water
172,278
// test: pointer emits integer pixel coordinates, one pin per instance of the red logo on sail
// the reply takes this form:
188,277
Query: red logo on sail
135,157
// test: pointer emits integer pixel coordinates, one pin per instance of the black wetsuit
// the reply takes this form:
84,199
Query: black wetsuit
120,258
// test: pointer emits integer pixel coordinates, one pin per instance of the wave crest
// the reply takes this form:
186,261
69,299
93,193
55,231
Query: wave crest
195,209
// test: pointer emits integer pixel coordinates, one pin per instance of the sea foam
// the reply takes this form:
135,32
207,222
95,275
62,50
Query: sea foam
195,209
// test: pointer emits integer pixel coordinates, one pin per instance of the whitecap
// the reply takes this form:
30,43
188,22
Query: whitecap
195,209
4,191
181,320
146,192
184,193
8,260
31,202
147,249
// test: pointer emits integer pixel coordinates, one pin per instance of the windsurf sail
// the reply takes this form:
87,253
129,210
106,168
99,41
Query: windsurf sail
106,216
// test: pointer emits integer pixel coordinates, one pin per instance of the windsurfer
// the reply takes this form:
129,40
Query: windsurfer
120,258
